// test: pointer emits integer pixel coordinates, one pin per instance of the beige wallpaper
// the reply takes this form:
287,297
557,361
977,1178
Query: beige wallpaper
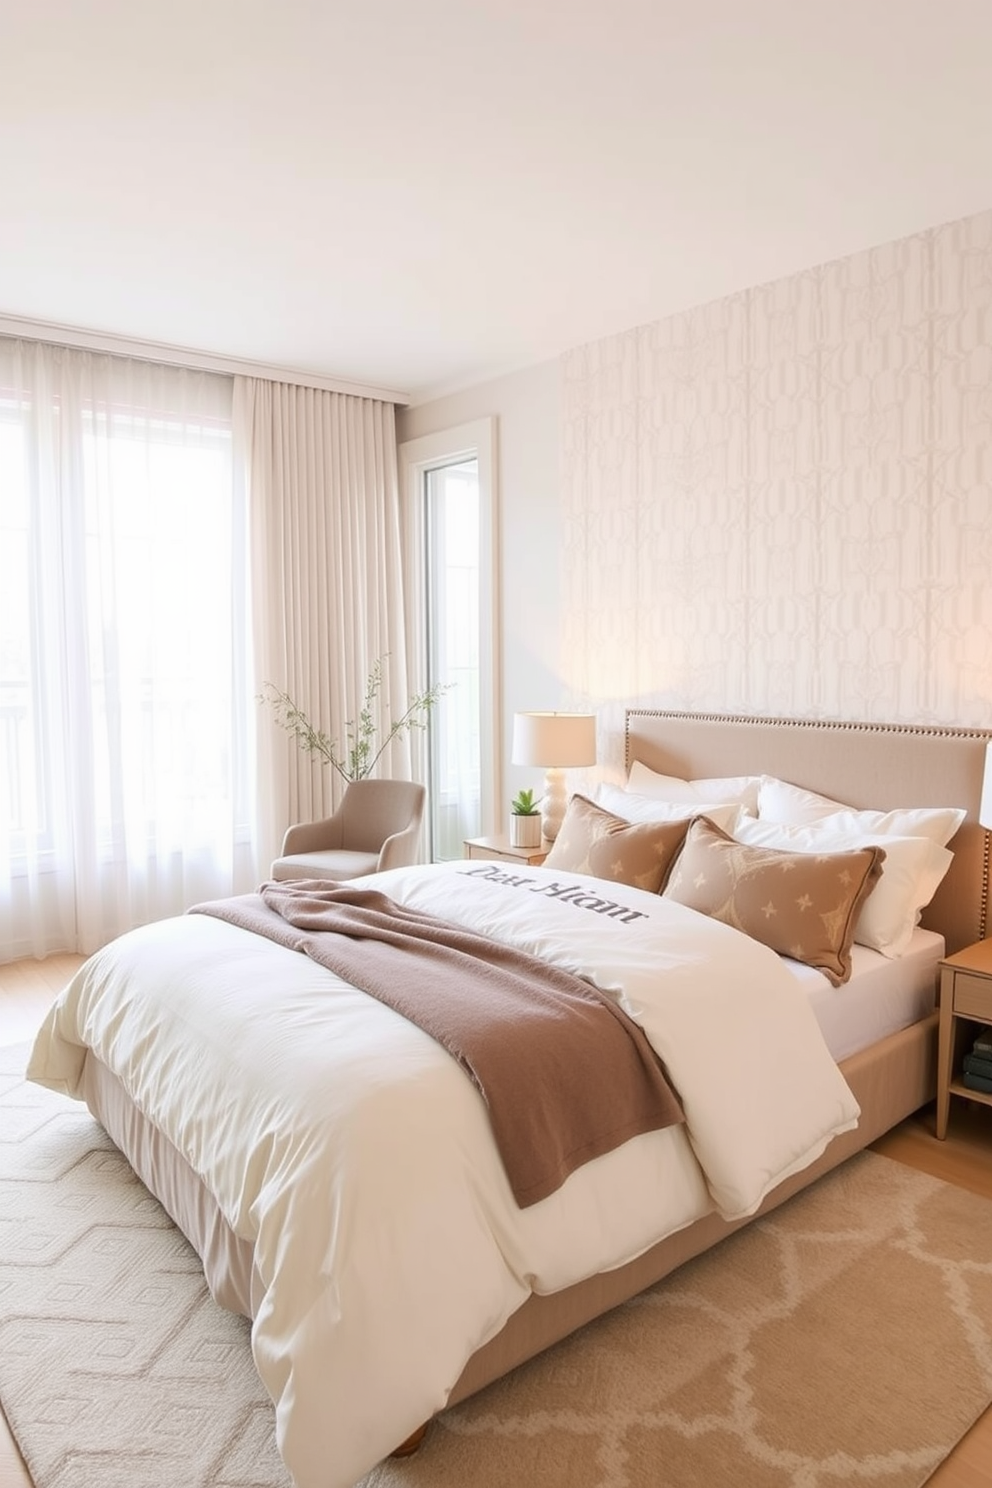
782,502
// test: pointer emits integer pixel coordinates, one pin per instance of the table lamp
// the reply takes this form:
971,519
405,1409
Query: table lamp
557,742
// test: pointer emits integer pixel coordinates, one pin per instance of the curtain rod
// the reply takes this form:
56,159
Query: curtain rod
183,356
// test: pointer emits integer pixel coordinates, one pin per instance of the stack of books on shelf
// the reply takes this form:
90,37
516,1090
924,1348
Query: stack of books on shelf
977,1073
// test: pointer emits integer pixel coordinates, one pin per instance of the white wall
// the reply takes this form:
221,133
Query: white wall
777,503
526,406
781,503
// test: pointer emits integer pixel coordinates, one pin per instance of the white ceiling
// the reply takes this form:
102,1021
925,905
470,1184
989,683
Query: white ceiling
420,194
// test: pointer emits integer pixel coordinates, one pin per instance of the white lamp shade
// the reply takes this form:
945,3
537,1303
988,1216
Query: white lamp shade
985,810
556,742
559,741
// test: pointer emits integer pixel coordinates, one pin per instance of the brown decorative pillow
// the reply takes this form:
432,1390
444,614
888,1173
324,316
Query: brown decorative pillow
595,841
802,905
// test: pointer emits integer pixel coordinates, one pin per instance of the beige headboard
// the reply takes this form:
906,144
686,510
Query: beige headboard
865,765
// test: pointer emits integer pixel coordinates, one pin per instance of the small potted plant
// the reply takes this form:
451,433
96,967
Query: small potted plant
525,820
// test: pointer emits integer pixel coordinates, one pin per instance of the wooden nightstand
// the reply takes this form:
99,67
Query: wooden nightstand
965,1002
498,847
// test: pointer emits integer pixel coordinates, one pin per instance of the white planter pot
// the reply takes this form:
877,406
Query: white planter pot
525,831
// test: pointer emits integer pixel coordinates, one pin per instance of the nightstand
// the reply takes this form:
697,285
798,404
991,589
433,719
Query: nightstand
498,847
965,1002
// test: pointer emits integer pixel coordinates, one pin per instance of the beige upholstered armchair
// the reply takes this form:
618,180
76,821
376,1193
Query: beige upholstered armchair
376,826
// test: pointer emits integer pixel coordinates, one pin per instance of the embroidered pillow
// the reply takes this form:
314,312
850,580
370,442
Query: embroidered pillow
803,905
595,841
913,871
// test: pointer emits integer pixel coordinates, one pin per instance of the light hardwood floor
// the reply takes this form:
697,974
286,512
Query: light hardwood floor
27,989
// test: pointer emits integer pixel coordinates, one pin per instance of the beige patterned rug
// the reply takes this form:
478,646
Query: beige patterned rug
845,1339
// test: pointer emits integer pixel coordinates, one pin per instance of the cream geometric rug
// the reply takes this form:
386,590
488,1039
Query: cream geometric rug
847,1338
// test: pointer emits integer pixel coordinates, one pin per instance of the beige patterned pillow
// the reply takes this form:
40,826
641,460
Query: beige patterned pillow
803,905
595,841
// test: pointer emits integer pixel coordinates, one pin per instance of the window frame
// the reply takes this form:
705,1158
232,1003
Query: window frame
475,440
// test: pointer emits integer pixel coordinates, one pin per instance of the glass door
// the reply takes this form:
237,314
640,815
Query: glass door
452,626
451,586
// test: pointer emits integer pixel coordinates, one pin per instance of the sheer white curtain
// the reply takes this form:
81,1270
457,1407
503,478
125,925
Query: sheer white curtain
327,587
126,695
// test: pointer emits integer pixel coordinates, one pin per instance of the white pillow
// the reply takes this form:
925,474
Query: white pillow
937,823
911,873
778,801
637,808
740,789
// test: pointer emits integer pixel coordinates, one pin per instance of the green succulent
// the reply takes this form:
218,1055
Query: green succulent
524,804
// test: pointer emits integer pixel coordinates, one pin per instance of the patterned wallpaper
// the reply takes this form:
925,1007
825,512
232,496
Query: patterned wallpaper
781,503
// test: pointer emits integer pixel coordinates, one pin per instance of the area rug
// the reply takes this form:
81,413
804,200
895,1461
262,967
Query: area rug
847,1338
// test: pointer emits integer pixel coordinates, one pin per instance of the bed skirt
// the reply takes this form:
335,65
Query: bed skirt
890,1079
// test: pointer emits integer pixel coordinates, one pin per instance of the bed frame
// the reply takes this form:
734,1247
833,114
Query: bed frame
864,765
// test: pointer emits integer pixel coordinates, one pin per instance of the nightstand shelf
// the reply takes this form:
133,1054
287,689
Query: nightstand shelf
498,848
965,1004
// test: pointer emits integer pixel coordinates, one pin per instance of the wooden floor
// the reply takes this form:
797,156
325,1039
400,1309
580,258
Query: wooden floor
27,989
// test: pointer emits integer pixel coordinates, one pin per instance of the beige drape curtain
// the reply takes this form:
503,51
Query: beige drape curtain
326,580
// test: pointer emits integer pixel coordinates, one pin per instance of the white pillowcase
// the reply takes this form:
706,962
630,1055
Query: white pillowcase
911,873
780,802
740,789
937,823
634,807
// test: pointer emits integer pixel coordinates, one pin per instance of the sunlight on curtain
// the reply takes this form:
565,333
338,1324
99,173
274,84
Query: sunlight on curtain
327,585
125,753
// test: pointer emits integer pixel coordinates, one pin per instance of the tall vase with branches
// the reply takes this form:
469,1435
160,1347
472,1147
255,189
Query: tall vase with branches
366,737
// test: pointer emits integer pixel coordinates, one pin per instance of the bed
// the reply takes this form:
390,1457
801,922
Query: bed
423,1281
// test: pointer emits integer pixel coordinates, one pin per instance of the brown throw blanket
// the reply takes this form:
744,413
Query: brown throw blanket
565,1074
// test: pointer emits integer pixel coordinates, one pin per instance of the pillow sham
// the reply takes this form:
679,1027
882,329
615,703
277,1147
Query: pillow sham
802,905
911,874
742,790
637,808
792,805
591,840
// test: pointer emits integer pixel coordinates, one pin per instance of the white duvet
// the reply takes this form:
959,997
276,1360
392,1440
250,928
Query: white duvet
354,1153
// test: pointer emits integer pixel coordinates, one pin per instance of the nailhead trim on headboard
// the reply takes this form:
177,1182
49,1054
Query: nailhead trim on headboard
979,901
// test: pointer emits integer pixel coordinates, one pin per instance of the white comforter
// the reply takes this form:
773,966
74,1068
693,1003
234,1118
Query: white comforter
354,1153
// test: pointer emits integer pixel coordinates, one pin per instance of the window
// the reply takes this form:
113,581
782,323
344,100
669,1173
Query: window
124,773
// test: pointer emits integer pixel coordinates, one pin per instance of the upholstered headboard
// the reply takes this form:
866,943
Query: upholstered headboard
866,765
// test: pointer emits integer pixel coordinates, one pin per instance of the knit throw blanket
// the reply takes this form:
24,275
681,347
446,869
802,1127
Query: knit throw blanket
565,1074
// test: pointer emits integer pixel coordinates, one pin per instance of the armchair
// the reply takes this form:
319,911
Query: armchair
376,826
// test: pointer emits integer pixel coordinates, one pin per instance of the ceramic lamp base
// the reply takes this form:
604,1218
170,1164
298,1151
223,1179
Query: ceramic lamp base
553,803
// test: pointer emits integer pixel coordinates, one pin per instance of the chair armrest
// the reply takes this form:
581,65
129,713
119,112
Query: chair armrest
321,836
400,850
